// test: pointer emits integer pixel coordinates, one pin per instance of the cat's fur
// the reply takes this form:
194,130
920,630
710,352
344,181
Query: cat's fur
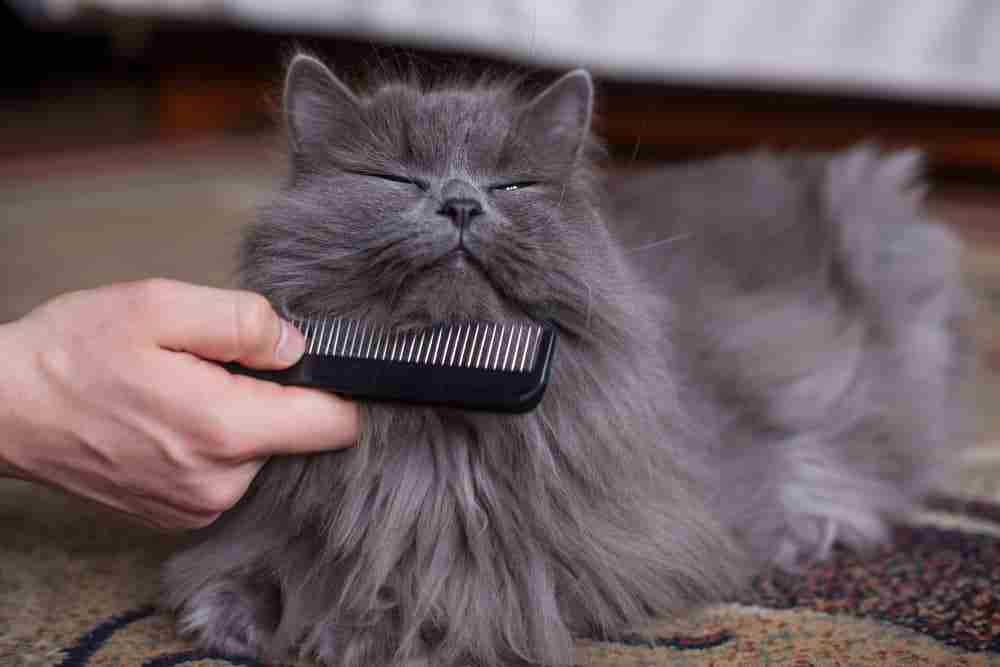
758,355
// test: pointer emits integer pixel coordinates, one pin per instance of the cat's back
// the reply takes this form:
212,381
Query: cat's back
743,188
764,220
754,216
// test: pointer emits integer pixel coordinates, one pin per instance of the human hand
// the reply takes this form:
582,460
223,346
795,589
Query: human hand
109,395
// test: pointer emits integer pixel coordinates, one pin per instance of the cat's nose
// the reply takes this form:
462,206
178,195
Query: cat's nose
461,210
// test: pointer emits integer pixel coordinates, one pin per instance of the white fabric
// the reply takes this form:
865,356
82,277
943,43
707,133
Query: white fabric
945,50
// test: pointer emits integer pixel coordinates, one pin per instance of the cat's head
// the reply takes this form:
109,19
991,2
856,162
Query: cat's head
410,206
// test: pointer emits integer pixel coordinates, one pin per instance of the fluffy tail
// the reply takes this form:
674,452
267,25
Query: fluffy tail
902,275
853,364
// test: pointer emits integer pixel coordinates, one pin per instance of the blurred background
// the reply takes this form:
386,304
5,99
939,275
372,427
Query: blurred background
138,136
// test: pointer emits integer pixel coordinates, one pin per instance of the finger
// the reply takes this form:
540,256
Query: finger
165,518
242,418
274,419
251,418
216,489
220,325
138,509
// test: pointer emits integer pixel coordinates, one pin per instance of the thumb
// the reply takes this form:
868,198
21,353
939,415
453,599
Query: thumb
223,325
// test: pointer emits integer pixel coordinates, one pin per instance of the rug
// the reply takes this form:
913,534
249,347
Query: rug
79,591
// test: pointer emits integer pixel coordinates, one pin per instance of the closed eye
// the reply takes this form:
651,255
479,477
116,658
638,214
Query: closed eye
394,178
510,187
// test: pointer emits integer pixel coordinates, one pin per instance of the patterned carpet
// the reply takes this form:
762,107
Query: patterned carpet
79,590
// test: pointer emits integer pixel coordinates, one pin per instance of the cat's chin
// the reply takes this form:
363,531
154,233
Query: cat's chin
465,266
454,289
461,261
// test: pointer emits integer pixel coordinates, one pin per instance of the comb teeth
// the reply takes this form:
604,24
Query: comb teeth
503,347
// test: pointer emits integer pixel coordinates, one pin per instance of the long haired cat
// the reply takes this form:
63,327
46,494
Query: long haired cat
757,357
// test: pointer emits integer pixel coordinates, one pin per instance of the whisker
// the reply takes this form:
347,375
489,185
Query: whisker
590,299
654,244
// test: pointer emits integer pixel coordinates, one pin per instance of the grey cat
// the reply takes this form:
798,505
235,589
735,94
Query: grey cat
759,356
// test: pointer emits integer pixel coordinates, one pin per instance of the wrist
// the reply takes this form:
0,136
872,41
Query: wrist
14,426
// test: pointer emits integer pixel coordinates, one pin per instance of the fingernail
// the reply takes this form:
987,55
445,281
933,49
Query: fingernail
291,344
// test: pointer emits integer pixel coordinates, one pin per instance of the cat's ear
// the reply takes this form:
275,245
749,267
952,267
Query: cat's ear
319,108
557,121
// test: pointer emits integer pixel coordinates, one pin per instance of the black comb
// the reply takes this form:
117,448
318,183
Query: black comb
470,365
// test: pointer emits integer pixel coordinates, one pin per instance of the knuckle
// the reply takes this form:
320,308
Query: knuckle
216,498
153,289
199,521
149,295
222,441
254,320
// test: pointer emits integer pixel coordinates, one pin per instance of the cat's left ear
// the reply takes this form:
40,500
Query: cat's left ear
557,121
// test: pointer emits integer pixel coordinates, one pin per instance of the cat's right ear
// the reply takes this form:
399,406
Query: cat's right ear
558,119
319,108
